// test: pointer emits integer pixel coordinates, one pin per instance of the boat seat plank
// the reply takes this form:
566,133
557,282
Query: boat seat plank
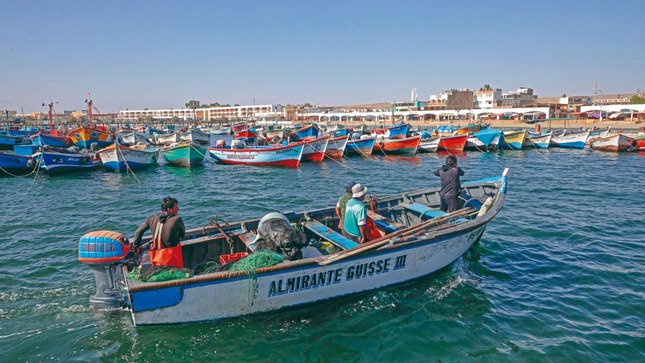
384,223
249,240
330,235
423,210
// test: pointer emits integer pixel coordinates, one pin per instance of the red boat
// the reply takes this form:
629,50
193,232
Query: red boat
615,143
315,149
238,127
453,144
640,143
246,134
406,146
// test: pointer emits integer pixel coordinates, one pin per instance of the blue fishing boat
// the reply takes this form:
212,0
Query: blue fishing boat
42,139
309,131
7,142
484,140
361,147
398,131
59,160
570,140
15,165
184,154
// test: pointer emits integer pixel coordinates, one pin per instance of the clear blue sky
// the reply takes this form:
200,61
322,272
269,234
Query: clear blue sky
160,54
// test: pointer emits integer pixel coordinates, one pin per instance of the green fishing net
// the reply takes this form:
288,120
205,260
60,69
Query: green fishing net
254,261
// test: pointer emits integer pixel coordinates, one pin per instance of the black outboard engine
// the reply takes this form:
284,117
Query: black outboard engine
102,251
276,234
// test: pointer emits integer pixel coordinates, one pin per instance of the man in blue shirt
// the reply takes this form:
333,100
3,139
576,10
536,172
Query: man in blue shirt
356,215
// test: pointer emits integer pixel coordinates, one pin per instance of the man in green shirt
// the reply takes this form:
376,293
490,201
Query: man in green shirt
342,202
356,215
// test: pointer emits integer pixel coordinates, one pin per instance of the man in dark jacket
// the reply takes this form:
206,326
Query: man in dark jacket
167,229
450,184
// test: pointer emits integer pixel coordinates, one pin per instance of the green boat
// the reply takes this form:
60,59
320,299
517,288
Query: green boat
184,154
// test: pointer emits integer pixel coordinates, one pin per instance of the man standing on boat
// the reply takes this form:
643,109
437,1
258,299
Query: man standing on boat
450,184
168,228
354,224
342,203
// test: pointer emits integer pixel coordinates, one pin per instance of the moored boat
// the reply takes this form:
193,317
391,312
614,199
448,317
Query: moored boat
184,154
336,147
15,165
416,241
360,147
197,136
406,146
272,155
121,158
165,139
514,140
540,141
615,143
429,145
7,142
398,131
55,160
486,139
315,148
570,140
452,143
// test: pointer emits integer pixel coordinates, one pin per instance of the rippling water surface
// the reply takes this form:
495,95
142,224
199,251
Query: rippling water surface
558,275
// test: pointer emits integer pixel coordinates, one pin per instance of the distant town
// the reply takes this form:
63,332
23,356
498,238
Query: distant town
484,103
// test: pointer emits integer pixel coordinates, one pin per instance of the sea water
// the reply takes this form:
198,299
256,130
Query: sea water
557,277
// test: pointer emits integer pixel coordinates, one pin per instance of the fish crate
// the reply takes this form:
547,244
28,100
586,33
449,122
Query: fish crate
232,257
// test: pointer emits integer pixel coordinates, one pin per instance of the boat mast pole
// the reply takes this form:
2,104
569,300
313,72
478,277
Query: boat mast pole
51,117
89,110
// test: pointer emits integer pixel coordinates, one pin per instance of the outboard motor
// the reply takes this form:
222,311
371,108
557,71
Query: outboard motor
102,251
276,234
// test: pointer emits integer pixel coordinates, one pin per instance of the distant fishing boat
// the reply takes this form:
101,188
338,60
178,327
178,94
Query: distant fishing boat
52,137
315,148
539,141
196,135
513,140
165,139
452,143
336,147
85,136
238,153
406,146
133,138
570,141
184,154
398,131
7,142
59,160
486,139
360,147
15,165
615,143
128,157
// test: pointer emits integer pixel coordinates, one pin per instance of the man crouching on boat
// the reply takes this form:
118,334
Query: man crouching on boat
168,228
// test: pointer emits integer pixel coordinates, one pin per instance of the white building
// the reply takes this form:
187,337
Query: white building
249,112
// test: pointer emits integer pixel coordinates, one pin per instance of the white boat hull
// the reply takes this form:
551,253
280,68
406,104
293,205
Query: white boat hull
219,299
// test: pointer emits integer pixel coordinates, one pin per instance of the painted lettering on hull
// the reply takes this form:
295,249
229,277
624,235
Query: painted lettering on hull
321,279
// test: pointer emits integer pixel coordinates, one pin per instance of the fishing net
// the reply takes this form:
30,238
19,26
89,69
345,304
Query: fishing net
159,273
207,267
254,261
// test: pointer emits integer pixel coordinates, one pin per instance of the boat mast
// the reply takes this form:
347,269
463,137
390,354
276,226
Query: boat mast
89,110
51,117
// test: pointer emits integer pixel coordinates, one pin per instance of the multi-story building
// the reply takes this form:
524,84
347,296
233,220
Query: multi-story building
203,113
486,97
523,97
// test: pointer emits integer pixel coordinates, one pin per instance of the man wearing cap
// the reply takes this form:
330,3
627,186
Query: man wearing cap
342,202
356,215
450,184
